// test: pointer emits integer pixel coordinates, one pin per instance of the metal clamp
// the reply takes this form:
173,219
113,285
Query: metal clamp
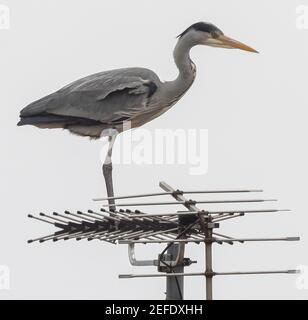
171,263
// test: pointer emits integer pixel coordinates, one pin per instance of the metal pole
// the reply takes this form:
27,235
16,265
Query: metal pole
209,265
203,212
175,285
199,240
187,203
143,195
156,275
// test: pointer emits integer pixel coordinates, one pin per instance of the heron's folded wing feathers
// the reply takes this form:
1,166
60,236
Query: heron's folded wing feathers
104,97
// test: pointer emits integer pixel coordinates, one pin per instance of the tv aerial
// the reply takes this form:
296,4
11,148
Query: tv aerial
173,228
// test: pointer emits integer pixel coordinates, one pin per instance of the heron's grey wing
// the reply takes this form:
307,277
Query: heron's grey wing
104,97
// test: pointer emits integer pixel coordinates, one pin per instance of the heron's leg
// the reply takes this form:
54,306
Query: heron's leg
107,171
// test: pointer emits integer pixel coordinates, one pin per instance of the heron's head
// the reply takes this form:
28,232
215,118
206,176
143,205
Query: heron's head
208,34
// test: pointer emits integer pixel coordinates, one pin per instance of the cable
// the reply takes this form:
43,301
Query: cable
178,285
171,269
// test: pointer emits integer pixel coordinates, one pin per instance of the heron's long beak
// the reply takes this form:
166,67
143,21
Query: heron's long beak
226,42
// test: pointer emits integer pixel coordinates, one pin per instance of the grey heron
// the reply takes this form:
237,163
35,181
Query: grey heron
101,104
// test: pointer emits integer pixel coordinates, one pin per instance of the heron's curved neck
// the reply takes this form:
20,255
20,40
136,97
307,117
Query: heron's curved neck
187,70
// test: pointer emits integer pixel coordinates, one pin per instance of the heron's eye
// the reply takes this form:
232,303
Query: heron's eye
215,34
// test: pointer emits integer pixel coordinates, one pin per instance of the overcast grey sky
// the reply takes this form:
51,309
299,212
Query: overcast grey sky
254,107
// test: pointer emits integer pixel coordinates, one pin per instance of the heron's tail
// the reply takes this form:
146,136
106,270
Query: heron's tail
41,120
79,126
